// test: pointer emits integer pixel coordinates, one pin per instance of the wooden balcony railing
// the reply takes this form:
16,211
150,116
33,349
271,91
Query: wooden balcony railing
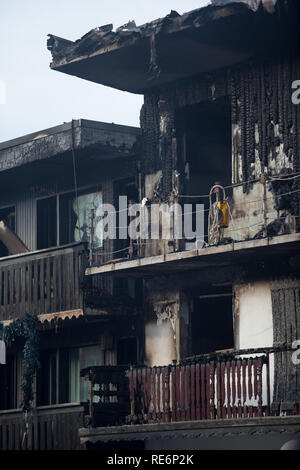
45,281
213,389
48,428
225,385
109,395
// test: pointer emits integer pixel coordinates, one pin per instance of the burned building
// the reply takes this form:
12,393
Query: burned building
51,181
216,314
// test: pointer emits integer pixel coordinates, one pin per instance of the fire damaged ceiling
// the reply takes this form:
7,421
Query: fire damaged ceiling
136,58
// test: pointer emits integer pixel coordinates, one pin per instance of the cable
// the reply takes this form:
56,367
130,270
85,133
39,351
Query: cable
206,210
268,198
195,196
75,177
254,201
280,178
271,178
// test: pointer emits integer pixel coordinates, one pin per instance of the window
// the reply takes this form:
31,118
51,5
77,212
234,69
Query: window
58,379
10,383
89,356
46,222
212,322
58,222
127,351
74,217
8,216
47,383
74,377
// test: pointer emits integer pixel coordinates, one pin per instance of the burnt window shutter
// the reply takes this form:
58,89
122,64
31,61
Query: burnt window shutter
286,329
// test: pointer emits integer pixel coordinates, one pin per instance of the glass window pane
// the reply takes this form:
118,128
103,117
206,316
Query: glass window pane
74,376
88,357
74,227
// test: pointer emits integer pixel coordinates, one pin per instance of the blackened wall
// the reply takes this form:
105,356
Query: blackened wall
265,122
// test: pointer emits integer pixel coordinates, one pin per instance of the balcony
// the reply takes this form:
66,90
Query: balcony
217,388
228,389
260,226
42,282
243,252
49,428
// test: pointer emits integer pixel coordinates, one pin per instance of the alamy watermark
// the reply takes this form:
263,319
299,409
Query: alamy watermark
141,221
296,93
296,354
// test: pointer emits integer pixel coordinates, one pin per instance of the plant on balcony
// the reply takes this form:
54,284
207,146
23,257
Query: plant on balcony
26,327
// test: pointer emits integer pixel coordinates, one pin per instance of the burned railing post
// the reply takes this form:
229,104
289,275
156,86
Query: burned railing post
218,377
229,391
259,386
239,389
166,393
193,401
212,369
268,384
245,409
173,391
91,398
131,392
250,388
223,410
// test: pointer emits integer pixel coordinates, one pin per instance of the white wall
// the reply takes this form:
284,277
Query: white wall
159,344
253,319
253,311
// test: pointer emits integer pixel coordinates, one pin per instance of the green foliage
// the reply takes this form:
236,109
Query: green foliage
26,327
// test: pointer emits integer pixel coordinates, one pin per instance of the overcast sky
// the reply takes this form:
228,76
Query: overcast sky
37,97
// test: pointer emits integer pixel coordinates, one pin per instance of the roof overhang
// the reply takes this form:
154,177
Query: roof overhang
53,318
49,152
198,42
108,140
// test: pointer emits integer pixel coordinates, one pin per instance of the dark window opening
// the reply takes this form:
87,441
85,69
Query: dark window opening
127,351
47,379
204,139
9,384
64,376
58,377
46,223
212,323
8,216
